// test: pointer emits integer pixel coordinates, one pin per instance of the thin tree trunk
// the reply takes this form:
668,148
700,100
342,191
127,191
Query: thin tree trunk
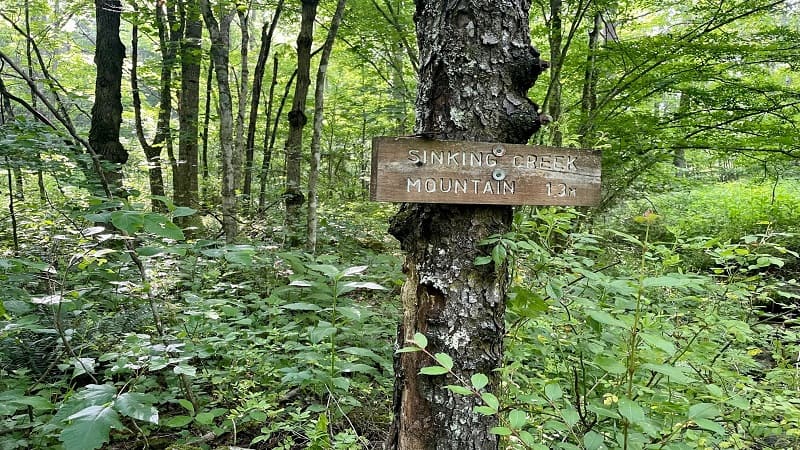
186,188
107,108
29,56
293,195
589,95
319,107
152,151
556,63
207,119
258,78
220,46
244,91
478,66
269,148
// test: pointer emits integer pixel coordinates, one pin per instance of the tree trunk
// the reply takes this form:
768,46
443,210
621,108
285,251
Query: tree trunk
107,108
207,119
476,67
185,182
556,63
270,147
152,151
297,121
258,79
220,46
589,95
243,92
316,137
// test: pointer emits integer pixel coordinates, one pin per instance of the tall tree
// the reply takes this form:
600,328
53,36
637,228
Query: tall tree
258,79
107,108
185,181
220,47
316,137
476,67
293,195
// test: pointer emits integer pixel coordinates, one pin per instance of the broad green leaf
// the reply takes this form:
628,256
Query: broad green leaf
592,440
445,360
433,370
710,425
630,410
482,260
365,285
484,410
420,340
500,431
159,225
137,406
326,269
183,211
460,390
517,419
409,349
491,401
354,270
570,415
97,394
301,306
605,318
611,365
479,381
675,374
668,281
128,221
553,290
185,369
90,427
204,418
553,391
529,440
499,255
243,257
301,283
658,342
703,411
187,405
178,421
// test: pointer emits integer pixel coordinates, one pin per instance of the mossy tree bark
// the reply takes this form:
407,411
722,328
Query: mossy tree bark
107,108
476,66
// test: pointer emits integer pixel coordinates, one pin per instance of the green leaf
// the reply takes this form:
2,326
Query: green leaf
482,260
178,421
499,255
517,419
659,342
420,340
592,440
326,269
675,374
204,418
243,257
709,425
631,410
484,410
528,439
500,431
553,290
433,370
301,306
355,270
90,428
159,225
185,369
187,405
668,281
479,381
491,401
445,360
703,411
365,285
183,211
570,415
611,365
409,349
128,221
97,394
605,318
137,406
456,389
553,391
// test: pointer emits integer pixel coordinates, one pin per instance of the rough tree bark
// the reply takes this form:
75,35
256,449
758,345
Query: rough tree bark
107,108
185,181
589,94
258,79
220,47
293,195
476,66
316,137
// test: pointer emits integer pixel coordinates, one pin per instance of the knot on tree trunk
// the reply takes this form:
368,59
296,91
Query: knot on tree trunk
297,118
294,197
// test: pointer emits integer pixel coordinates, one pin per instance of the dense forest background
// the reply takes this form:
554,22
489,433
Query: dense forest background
206,271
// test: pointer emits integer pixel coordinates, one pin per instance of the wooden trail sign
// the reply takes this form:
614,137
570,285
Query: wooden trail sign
414,170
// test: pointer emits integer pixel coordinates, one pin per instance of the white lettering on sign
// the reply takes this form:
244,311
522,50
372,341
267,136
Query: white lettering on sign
451,158
460,186
559,163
